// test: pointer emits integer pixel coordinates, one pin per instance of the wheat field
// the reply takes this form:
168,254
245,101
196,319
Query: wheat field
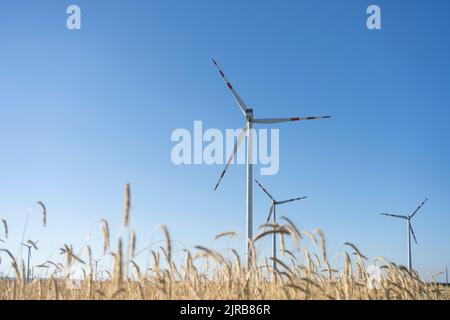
303,272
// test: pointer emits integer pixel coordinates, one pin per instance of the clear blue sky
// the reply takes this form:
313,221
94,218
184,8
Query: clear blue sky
83,112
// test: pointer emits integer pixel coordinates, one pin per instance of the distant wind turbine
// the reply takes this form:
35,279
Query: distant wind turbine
248,113
446,276
273,213
96,264
29,245
409,229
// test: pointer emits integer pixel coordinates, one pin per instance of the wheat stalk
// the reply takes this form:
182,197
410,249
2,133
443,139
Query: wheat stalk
168,243
126,218
118,266
105,230
5,228
230,234
133,244
44,212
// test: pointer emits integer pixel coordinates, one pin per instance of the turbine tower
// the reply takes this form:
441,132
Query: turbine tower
446,276
247,132
409,229
273,211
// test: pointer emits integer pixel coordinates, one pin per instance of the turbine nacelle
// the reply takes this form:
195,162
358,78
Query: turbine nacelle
249,115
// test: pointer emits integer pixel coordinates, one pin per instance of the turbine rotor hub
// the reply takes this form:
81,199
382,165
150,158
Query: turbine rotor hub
249,115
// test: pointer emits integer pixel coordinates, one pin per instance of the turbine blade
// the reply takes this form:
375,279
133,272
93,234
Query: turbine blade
394,215
270,213
279,120
412,231
33,244
290,200
265,191
230,159
240,102
418,208
25,245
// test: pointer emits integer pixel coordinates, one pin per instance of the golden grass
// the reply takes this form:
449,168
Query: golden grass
208,274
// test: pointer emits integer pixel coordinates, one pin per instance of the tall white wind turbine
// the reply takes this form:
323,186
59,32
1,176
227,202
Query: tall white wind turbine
273,215
246,132
409,230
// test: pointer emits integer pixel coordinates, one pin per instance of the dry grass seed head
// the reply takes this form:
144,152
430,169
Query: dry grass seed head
230,234
5,228
105,230
126,218
44,212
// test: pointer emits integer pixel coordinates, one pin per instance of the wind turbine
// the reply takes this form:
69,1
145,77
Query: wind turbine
409,229
247,132
96,264
273,210
29,245
446,276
